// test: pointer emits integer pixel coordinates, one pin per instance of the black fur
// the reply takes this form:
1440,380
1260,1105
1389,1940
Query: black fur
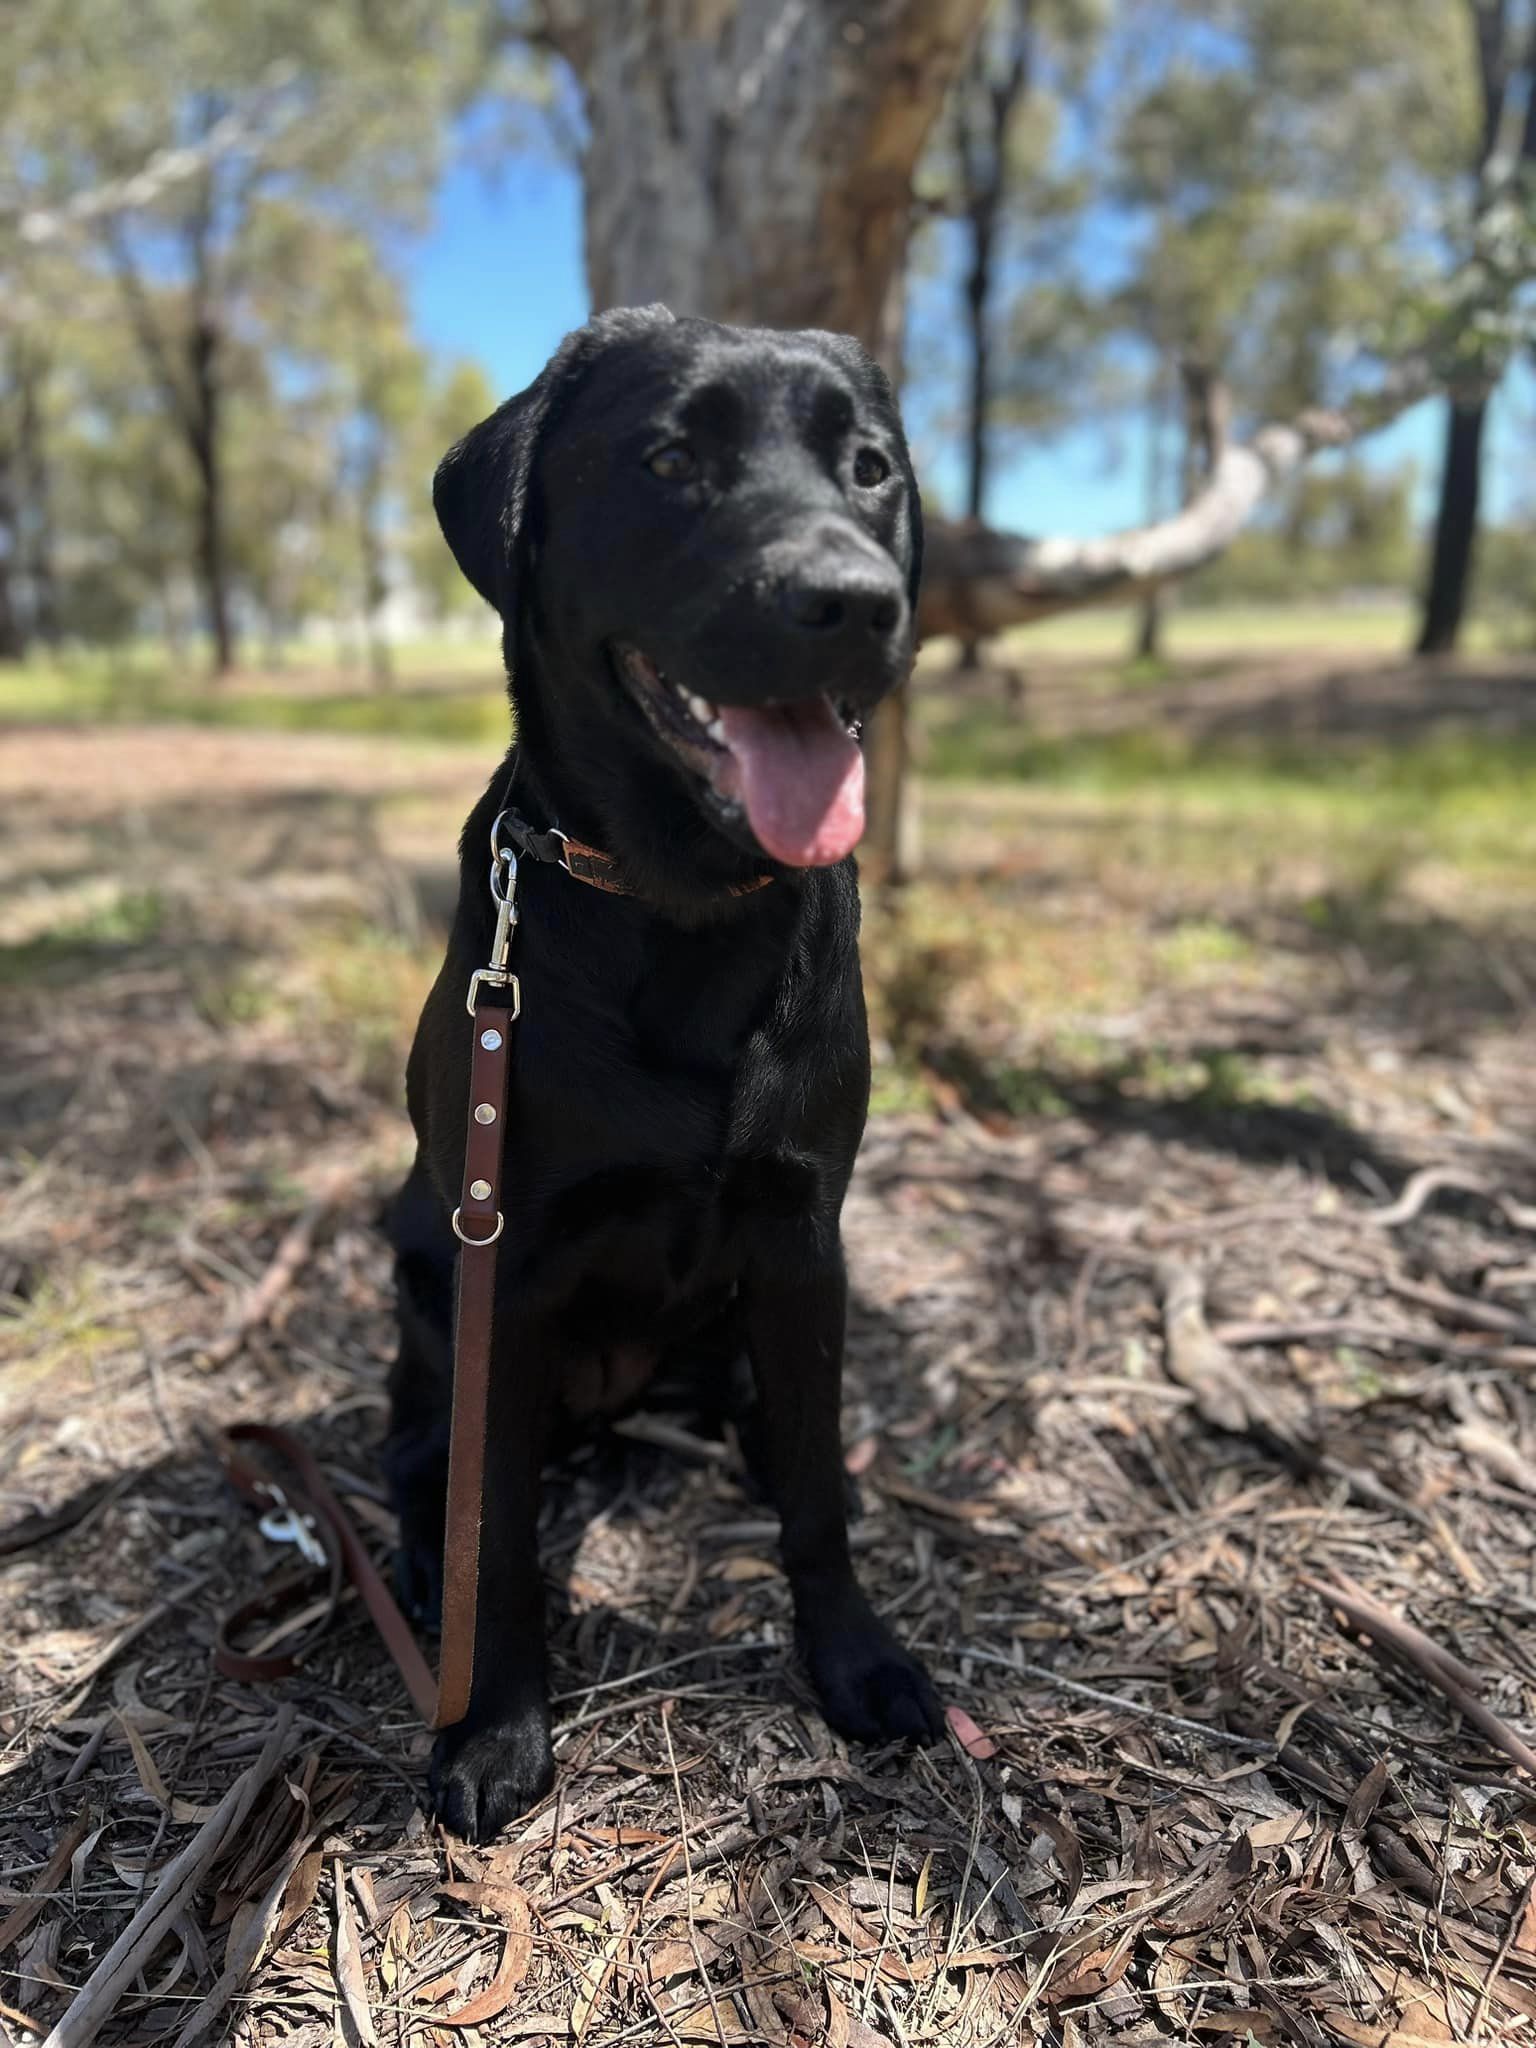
690,1074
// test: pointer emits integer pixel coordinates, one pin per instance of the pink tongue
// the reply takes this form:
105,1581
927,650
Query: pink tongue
801,777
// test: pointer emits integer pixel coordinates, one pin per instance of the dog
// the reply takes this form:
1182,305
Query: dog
704,543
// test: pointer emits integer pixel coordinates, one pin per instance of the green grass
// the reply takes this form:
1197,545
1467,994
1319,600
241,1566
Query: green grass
1459,794
1378,627
446,716
451,690
447,695
131,919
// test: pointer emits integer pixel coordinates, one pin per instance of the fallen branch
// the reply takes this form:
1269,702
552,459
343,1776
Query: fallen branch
288,1261
78,1508
242,1955
977,581
1198,1359
671,1436
94,2003
1421,1653
1435,1180
1323,1330
1477,1441
1444,1301
1195,1357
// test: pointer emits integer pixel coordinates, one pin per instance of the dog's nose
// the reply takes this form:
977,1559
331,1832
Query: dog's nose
850,598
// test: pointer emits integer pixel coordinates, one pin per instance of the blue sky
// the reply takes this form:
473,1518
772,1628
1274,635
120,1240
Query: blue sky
499,277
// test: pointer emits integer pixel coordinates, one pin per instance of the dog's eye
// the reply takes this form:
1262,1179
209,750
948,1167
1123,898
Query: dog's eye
674,464
870,468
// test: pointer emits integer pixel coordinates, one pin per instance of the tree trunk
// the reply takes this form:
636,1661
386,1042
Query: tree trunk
1149,627
978,298
982,221
752,160
13,635
205,437
36,481
985,103
1450,568
375,577
1450,572
1147,643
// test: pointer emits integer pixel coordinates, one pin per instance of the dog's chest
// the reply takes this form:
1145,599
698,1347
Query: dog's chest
664,1101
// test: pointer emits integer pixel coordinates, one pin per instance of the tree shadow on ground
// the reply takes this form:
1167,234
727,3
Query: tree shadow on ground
1213,1115
1388,704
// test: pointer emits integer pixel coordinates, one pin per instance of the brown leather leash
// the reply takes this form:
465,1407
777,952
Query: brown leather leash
305,1509
309,1515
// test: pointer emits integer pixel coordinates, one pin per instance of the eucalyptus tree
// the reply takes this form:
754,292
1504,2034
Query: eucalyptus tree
164,137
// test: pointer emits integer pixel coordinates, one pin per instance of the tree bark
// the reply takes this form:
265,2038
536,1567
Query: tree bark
1450,573
36,483
752,160
985,104
375,575
978,292
1205,409
187,365
1147,641
205,441
1450,569
13,634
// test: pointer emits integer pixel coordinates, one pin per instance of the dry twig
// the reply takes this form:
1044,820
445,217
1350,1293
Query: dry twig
93,2004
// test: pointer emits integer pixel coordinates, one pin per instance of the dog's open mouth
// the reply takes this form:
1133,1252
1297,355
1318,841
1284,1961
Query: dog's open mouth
795,769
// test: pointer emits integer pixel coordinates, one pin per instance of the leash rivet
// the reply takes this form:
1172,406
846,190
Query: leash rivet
490,1040
481,1190
485,1113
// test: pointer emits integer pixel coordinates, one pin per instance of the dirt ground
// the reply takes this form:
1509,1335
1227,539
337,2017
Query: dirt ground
1195,1430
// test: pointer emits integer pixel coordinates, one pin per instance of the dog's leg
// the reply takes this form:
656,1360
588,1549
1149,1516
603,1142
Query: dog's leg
498,1761
420,1392
796,1300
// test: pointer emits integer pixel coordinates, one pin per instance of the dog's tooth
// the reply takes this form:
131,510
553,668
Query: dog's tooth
716,730
702,710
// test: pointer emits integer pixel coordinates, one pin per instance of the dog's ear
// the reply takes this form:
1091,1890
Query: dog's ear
481,489
475,491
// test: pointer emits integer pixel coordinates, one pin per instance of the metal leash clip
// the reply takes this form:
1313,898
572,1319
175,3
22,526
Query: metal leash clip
504,895
282,1523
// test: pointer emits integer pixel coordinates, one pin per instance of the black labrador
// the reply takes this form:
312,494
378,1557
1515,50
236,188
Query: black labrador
704,543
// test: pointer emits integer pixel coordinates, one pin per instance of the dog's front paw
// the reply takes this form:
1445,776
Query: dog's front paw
870,1688
483,1777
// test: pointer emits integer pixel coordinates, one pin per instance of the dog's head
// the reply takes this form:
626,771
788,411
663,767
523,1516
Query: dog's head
705,542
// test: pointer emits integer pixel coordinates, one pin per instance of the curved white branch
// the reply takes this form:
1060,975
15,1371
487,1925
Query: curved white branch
263,120
977,581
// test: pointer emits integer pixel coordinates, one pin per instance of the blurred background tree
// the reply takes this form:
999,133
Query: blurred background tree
186,153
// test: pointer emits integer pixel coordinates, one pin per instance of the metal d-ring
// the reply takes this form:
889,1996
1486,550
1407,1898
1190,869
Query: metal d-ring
501,1224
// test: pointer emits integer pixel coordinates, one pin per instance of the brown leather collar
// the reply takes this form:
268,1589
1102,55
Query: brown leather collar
586,863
